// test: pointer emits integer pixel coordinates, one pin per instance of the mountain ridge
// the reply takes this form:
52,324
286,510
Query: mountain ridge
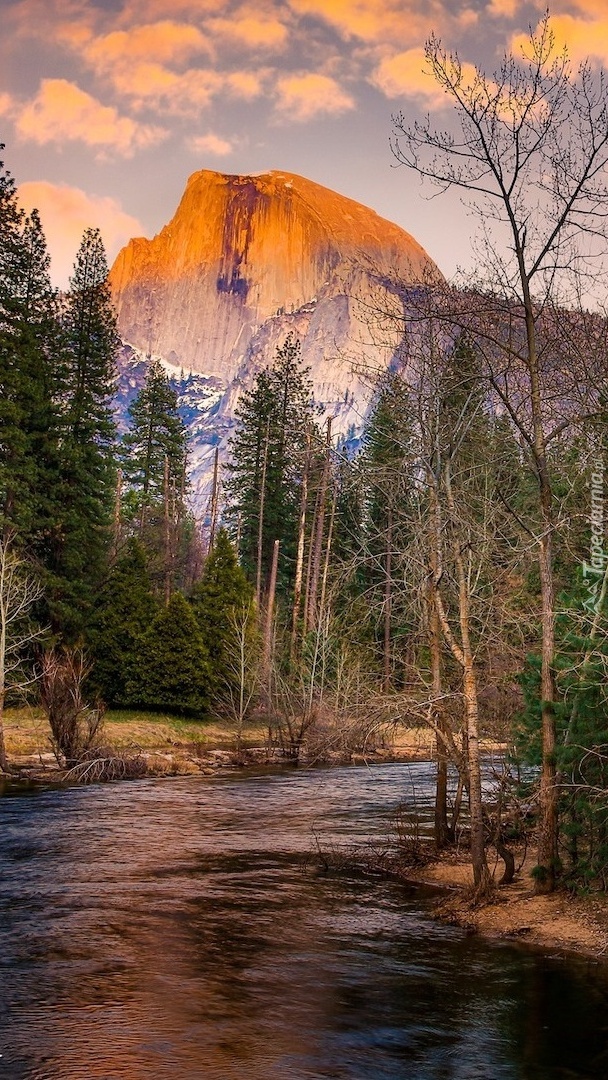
247,259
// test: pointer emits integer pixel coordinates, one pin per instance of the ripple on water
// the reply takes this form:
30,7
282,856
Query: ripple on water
166,928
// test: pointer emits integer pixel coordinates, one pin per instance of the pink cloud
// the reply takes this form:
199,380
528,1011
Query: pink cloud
254,30
150,85
378,21
62,112
407,74
165,42
304,96
66,212
245,84
504,8
584,37
210,144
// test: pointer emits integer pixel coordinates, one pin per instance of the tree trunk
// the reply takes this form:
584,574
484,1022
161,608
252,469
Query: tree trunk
318,538
167,534
548,858
481,874
3,757
214,500
464,654
258,576
306,618
297,588
546,869
444,835
267,656
388,600
117,511
327,560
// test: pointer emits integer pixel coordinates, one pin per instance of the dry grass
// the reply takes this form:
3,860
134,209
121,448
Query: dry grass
28,734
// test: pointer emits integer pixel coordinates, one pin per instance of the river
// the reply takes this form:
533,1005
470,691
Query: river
179,928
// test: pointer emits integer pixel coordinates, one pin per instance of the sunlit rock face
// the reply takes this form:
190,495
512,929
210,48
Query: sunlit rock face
246,260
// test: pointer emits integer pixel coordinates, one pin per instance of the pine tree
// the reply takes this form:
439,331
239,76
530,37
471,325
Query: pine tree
386,465
86,490
221,600
29,334
157,435
11,221
124,611
153,458
173,671
268,452
249,449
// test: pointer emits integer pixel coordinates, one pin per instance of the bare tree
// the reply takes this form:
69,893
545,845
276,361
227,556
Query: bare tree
529,152
19,591
240,680
75,725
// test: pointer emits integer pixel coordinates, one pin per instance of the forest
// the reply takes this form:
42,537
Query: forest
450,572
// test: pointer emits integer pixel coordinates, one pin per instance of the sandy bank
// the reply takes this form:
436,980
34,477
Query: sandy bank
560,922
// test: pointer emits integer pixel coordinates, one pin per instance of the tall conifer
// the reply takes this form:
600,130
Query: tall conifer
29,345
88,440
157,434
268,454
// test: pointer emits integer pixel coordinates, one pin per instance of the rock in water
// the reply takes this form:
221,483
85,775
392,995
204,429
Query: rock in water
244,261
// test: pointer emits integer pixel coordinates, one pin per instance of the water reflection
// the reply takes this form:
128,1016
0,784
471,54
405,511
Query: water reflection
168,928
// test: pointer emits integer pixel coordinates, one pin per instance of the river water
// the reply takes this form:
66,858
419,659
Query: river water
179,928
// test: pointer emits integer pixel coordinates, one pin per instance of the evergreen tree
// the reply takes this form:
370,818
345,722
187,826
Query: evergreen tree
92,340
351,489
386,466
86,491
582,732
11,221
157,437
268,452
173,672
247,469
153,459
124,612
387,450
221,600
29,344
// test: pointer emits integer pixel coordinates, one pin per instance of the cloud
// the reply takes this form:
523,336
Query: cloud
210,144
61,111
140,65
377,21
164,42
584,37
66,212
305,96
32,18
504,8
245,84
255,30
194,9
6,104
407,74
150,85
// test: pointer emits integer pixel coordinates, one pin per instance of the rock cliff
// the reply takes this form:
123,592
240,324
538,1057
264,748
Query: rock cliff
245,260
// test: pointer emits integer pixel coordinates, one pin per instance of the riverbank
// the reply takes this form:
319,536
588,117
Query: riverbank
171,746
163,745
560,922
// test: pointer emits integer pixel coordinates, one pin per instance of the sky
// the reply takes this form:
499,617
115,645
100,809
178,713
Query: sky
108,106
